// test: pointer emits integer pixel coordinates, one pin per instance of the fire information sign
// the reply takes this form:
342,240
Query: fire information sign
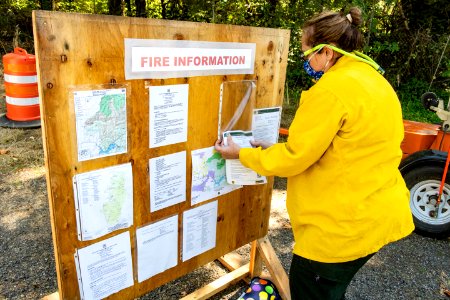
175,59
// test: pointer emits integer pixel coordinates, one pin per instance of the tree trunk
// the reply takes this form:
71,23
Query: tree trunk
46,4
163,9
115,7
141,9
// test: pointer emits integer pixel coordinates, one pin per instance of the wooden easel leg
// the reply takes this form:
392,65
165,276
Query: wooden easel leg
261,251
255,261
279,276
54,296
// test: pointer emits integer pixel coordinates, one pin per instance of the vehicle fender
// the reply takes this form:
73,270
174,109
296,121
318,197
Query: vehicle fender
423,158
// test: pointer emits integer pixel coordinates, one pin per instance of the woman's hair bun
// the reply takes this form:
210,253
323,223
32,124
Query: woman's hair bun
356,16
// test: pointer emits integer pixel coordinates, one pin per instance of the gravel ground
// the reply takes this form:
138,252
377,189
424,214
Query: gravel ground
413,268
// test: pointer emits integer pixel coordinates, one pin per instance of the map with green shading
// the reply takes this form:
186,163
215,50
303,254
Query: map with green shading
208,176
104,201
112,209
101,122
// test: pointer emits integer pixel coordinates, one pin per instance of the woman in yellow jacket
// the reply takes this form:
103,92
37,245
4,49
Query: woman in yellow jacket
345,196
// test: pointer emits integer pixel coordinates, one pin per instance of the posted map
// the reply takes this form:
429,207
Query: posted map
208,176
103,201
101,122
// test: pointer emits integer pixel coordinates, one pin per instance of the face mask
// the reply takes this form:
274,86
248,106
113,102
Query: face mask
355,54
311,72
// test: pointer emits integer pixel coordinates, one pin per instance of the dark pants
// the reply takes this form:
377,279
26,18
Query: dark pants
312,280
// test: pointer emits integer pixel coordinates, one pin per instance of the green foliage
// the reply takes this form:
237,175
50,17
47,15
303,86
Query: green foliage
410,93
15,25
385,46
83,6
446,73
408,38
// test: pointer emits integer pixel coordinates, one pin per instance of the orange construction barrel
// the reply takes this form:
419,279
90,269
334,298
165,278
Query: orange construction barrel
21,88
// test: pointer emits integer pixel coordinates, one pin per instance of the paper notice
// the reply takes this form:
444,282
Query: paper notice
266,124
157,247
199,230
167,180
168,114
104,268
236,172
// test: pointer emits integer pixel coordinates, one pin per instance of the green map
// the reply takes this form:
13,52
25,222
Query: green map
101,121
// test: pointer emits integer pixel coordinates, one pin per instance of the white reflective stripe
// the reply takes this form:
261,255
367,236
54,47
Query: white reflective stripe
22,101
20,79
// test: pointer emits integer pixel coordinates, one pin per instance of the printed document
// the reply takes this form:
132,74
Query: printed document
266,124
104,268
167,180
199,230
103,201
236,172
168,114
157,247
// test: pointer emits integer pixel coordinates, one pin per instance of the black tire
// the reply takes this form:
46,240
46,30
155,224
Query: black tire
423,183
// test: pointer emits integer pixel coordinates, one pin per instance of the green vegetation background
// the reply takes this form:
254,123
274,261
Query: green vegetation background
408,38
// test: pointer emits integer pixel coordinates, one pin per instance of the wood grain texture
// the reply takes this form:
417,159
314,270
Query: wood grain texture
77,50
279,276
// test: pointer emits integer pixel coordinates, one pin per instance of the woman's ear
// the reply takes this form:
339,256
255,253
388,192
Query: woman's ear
329,53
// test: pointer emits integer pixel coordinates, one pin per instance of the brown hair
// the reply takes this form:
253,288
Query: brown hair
336,28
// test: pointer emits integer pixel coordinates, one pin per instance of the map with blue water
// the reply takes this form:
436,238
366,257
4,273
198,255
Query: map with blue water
101,122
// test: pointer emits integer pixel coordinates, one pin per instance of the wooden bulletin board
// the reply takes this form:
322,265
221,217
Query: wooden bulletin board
78,49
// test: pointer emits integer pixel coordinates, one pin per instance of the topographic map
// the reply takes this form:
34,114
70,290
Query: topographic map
208,176
104,201
101,122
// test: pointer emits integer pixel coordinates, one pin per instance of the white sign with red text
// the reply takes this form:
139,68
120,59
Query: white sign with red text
175,59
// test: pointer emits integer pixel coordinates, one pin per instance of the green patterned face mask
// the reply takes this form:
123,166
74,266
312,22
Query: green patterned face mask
355,54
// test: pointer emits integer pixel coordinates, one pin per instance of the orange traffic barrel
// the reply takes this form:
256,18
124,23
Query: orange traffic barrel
21,89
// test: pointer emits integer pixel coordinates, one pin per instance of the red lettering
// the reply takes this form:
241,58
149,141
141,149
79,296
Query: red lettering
143,61
212,60
165,61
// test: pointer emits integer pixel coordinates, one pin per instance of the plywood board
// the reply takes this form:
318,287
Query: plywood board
73,50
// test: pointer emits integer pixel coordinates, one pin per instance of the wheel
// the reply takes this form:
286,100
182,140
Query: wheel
423,183
429,99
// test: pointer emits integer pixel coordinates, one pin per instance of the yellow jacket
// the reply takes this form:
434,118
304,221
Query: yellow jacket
345,195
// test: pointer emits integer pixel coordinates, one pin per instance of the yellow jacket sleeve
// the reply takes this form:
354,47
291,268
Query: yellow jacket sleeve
318,119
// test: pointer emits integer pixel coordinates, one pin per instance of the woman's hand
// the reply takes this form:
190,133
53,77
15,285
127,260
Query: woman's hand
230,151
262,144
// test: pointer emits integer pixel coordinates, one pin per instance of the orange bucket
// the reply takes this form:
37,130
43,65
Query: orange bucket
21,88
